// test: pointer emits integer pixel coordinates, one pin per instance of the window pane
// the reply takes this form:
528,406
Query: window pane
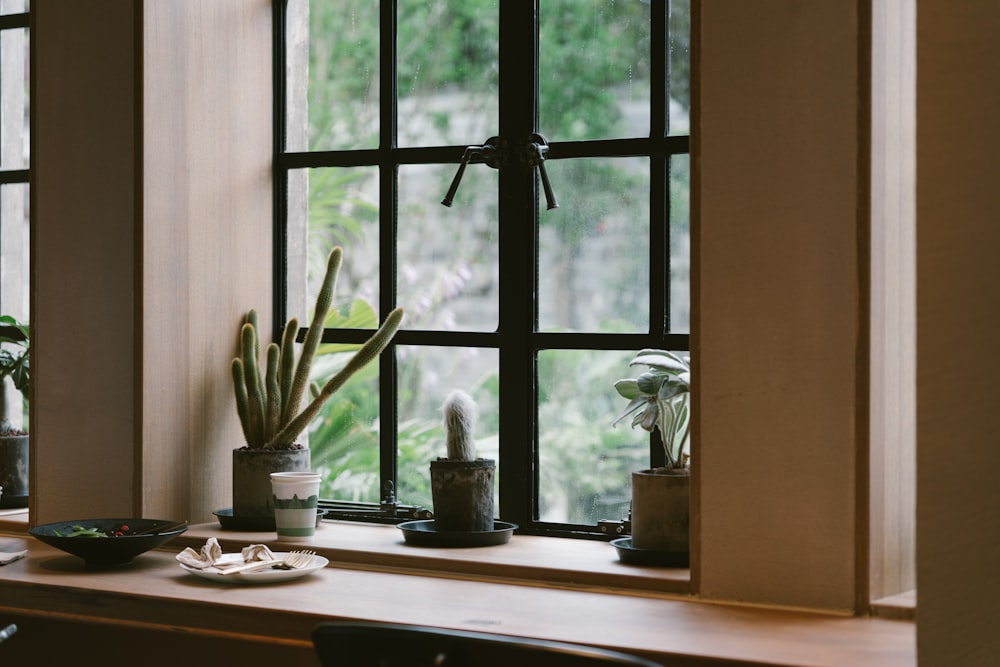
680,244
332,53
448,71
14,99
448,272
14,269
680,66
426,376
344,438
593,253
342,210
593,69
13,6
585,464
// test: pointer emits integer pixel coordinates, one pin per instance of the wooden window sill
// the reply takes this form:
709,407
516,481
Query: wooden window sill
548,561
474,589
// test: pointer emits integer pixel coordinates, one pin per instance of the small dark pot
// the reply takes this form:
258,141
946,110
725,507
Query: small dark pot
661,509
13,471
253,500
463,494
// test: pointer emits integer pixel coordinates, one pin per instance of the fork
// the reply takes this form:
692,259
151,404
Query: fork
294,560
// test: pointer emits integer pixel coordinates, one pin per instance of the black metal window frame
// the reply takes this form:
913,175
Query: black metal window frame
19,21
14,22
516,337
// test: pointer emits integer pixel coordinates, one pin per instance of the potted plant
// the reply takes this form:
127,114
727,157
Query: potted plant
461,484
14,372
269,403
659,399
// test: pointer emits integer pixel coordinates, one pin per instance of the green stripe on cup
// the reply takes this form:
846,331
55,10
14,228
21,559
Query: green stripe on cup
296,503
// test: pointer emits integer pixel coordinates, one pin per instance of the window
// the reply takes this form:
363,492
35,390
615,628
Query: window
548,271
13,178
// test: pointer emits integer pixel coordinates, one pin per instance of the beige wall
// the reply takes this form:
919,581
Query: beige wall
152,235
893,298
958,237
84,263
779,313
207,231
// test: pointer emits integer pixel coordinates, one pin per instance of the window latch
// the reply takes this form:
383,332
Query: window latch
494,153
533,153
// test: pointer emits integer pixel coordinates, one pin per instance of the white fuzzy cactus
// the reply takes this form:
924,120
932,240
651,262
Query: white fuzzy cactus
459,422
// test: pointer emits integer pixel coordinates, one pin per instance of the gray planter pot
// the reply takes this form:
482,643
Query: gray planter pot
661,510
463,494
14,471
253,501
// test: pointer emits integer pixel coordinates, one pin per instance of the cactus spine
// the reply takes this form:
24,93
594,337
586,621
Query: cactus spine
268,405
459,421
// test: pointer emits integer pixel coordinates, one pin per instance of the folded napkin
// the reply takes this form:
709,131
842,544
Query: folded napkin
11,556
207,557
211,557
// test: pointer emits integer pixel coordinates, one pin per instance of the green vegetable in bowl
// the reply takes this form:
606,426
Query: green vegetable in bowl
80,531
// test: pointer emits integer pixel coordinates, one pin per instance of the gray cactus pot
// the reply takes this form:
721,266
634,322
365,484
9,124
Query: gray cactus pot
253,501
463,494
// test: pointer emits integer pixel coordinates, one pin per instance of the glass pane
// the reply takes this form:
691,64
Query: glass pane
585,464
13,6
448,257
448,71
593,69
426,376
342,210
680,66
593,268
332,90
14,99
344,438
680,244
14,268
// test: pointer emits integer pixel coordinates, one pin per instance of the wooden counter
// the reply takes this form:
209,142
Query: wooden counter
153,595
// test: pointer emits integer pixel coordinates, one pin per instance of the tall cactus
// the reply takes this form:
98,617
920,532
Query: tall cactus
459,421
268,405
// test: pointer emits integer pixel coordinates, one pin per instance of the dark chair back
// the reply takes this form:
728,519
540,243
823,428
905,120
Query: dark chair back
360,644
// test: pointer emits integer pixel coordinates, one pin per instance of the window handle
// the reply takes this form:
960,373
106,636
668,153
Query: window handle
534,154
494,154
491,152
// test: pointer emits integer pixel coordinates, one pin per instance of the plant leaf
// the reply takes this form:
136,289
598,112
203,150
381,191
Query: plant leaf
669,364
628,388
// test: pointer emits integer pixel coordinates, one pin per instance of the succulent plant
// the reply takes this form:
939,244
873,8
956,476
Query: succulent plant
459,422
14,363
269,404
660,398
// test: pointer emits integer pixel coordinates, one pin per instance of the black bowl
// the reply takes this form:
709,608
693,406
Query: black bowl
117,546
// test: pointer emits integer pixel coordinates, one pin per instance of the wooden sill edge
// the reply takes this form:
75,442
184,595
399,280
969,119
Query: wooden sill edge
900,607
537,561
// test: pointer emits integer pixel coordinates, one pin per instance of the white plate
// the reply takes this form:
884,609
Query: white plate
265,576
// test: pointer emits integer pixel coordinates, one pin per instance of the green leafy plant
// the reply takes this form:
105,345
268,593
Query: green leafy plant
14,363
269,403
660,398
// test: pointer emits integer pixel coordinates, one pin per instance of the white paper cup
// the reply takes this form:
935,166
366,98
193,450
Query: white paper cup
296,497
